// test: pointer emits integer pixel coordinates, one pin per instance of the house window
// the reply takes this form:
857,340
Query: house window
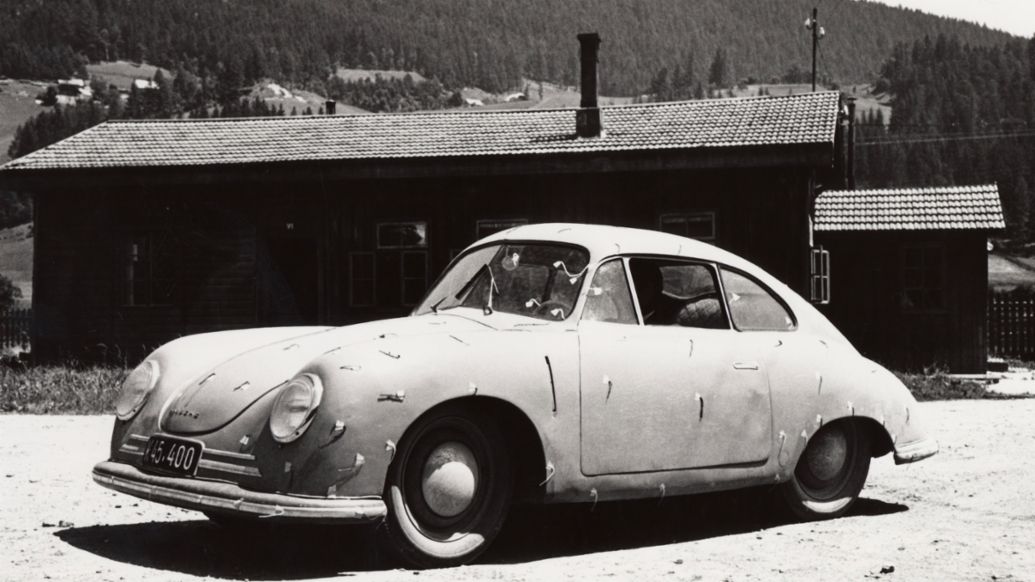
402,235
698,225
923,278
362,281
148,269
820,276
414,276
484,228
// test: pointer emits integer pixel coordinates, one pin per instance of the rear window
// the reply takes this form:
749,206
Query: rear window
752,306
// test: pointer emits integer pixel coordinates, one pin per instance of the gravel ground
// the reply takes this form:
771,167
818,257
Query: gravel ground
966,514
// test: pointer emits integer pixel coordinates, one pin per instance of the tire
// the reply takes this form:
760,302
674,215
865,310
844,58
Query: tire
448,490
830,473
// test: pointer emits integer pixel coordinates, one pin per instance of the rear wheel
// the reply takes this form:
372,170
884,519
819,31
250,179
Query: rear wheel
448,489
830,473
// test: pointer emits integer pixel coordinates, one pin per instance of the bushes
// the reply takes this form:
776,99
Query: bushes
59,389
937,385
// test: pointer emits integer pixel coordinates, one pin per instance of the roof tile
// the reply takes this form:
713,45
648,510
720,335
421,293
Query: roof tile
951,208
794,119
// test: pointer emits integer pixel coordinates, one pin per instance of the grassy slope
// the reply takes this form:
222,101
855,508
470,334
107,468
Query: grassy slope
1008,272
16,259
17,103
122,73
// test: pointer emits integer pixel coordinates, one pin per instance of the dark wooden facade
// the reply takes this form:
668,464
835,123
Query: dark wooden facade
912,300
128,259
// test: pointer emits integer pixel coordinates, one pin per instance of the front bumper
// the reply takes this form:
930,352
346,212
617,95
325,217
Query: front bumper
227,498
915,451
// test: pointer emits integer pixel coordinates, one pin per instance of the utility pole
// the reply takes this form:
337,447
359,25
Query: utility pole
812,24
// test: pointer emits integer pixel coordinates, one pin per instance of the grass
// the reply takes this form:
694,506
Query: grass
938,385
59,389
76,389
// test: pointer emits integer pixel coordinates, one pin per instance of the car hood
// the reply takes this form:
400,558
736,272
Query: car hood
222,392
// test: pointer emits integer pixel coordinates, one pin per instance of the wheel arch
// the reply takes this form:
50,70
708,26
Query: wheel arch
880,439
523,439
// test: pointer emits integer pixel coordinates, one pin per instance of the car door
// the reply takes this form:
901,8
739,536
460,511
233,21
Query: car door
678,392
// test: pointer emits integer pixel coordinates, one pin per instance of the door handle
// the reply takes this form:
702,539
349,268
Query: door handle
745,365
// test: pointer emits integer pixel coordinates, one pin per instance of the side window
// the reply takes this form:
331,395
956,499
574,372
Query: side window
608,297
148,264
752,307
677,293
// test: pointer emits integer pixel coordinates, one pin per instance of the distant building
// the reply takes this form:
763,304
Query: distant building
909,271
145,85
72,91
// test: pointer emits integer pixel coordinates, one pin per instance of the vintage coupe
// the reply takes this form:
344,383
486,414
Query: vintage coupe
549,363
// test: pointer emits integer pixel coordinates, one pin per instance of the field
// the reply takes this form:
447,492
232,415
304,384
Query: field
123,73
17,104
16,259
1007,272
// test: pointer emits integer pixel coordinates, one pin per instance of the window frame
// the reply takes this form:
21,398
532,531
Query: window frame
388,247
127,283
764,287
628,286
716,277
942,288
710,214
352,278
513,222
819,276
403,277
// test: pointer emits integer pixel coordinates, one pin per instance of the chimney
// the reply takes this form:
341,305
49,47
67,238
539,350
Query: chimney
587,119
329,107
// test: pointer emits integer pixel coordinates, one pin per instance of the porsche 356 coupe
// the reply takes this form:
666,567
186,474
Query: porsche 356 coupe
549,363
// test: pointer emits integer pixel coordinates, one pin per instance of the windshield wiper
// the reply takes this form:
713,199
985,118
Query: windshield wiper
487,310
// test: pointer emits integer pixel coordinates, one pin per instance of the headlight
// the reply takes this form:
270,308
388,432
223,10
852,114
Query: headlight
135,389
294,407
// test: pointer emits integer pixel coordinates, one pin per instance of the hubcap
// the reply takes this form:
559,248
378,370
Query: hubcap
826,455
450,479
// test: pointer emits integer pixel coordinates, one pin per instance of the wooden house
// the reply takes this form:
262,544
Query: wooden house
908,272
148,230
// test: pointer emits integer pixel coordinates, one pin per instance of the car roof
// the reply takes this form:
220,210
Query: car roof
603,240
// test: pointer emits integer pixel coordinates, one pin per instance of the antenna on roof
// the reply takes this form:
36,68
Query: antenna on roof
817,33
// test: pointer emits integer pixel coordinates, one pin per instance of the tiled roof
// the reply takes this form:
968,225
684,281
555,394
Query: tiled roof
953,208
721,123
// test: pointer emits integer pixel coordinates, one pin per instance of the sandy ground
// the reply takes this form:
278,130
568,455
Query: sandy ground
965,514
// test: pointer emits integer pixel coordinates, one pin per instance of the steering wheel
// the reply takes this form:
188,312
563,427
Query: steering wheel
549,306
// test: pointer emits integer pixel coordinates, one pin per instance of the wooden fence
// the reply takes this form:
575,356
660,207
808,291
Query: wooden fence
1011,325
14,329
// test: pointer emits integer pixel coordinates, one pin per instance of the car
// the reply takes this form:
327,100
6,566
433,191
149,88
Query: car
549,363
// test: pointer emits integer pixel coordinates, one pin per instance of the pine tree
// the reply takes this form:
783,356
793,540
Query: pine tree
718,72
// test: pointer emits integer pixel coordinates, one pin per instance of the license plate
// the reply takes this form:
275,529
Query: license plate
170,455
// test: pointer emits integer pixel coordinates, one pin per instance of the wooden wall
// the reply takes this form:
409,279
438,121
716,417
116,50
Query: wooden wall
276,254
867,300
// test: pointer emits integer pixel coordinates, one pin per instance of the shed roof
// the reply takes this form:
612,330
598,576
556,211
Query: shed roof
951,208
689,125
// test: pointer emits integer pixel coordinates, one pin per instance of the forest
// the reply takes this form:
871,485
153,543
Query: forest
481,43
961,115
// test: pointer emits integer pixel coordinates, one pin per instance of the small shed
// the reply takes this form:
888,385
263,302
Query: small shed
908,272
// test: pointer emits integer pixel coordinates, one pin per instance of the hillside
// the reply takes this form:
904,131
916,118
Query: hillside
479,43
16,259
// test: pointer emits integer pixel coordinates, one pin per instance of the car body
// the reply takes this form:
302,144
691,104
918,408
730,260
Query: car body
549,363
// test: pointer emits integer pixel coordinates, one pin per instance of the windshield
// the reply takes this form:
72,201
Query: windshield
537,280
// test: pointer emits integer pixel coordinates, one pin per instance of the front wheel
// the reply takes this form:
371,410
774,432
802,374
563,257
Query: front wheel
448,489
830,473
